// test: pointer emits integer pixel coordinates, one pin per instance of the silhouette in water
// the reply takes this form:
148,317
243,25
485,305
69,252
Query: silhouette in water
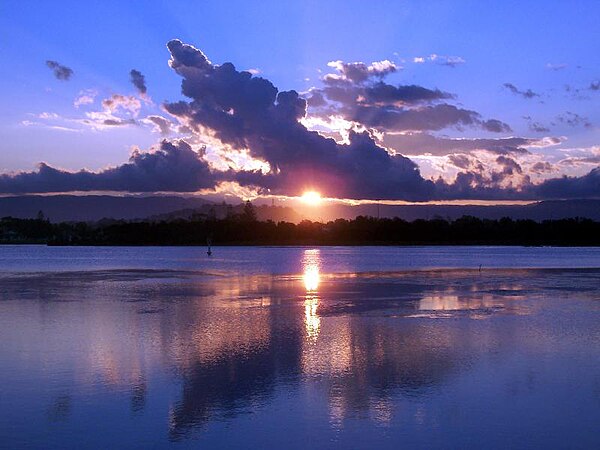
208,242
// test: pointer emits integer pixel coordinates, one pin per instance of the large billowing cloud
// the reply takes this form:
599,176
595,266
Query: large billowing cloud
248,112
477,186
175,166
359,94
235,111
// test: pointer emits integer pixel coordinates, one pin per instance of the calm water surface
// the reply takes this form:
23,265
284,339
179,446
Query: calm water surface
336,347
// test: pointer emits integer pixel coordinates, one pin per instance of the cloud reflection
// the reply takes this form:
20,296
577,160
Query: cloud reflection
234,344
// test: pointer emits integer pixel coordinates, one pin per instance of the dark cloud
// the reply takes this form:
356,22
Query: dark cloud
574,120
509,165
542,167
138,80
359,169
116,122
474,185
569,187
359,96
380,94
461,161
536,126
164,126
595,86
528,93
434,117
175,166
385,94
248,112
316,100
421,143
60,72
476,177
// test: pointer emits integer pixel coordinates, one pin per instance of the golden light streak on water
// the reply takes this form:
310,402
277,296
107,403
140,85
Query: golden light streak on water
311,264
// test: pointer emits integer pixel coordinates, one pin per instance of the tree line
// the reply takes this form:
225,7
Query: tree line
244,229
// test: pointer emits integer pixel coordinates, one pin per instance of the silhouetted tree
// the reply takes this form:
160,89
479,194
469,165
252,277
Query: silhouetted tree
249,214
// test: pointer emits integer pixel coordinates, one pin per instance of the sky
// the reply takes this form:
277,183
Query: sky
398,101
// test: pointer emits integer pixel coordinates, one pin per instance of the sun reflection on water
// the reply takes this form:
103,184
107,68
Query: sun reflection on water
311,264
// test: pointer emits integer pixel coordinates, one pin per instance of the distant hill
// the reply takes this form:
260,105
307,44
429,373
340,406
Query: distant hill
224,210
59,208
544,210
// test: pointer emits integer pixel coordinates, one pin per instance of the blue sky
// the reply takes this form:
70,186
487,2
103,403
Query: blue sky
549,48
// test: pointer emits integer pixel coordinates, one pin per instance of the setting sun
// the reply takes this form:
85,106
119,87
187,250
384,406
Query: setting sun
311,198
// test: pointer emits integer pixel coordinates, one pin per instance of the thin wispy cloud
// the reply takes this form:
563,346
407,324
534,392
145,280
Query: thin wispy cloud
556,67
525,93
85,97
449,61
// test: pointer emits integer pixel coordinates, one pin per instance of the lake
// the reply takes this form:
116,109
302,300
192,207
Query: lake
299,347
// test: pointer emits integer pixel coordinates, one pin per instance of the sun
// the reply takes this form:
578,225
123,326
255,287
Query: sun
311,198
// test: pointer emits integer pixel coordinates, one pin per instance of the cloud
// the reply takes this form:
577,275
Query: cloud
449,61
425,143
60,72
349,95
261,135
542,167
162,125
359,94
127,103
595,86
174,166
536,126
569,187
434,117
461,161
528,93
85,97
572,119
556,67
247,112
472,185
590,156
359,72
138,80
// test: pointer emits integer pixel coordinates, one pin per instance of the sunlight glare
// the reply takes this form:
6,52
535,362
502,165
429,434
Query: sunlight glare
312,198
311,263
